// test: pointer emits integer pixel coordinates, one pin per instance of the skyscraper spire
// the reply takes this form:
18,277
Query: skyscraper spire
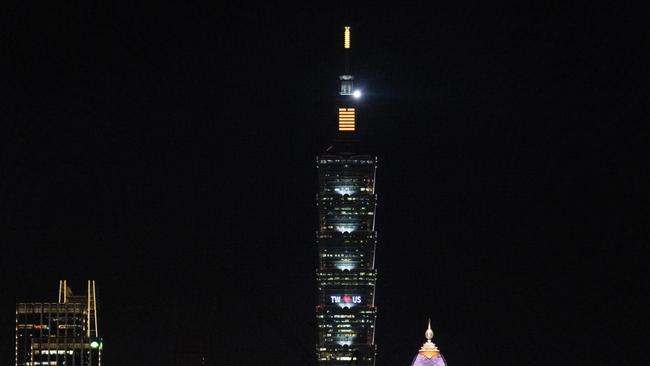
346,78
346,37
347,106
346,46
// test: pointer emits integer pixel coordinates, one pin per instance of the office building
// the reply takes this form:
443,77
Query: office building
59,333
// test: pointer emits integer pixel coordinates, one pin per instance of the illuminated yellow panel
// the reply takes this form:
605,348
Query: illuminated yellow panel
346,42
346,119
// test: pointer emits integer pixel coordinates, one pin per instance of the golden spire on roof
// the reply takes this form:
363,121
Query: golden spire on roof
429,333
429,349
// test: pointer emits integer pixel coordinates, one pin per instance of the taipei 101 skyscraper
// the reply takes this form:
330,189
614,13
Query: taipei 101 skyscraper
346,239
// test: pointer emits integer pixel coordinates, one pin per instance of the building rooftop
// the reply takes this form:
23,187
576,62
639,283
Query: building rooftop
429,354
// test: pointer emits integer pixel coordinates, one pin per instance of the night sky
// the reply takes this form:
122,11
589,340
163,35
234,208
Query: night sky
168,152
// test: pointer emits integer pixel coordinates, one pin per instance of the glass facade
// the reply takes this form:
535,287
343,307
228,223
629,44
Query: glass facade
346,273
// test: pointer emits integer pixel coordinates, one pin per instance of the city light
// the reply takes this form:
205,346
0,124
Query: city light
345,229
357,94
344,190
343,267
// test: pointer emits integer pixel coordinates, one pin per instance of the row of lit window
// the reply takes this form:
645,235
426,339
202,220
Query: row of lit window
337,200
342,249
330,332
344,223
342,253
346,178
348,245
348,213
345,215
330,210
354,161
356,236
345,323
346,240
345,279
350,203
350,208
54,352
327,357
345,316
362,313
341,194
343,229
339,324
335,276
339,255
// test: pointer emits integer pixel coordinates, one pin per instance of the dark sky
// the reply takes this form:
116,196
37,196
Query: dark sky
168,151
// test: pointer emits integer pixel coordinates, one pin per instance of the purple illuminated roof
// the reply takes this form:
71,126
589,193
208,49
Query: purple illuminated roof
423,361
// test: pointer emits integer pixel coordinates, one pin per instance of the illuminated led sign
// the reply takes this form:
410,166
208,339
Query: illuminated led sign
346,119
345,299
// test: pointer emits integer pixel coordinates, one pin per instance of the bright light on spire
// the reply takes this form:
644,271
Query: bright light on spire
357,94
346,42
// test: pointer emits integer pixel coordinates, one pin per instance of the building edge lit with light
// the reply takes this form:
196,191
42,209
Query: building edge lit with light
60,333
346,239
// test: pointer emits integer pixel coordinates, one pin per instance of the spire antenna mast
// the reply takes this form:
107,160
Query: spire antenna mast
346,46
346,78
348,96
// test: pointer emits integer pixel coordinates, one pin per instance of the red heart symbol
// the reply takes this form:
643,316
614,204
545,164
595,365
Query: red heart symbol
346,298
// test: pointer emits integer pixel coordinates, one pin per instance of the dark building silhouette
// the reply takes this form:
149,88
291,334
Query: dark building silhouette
59,333
346,240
